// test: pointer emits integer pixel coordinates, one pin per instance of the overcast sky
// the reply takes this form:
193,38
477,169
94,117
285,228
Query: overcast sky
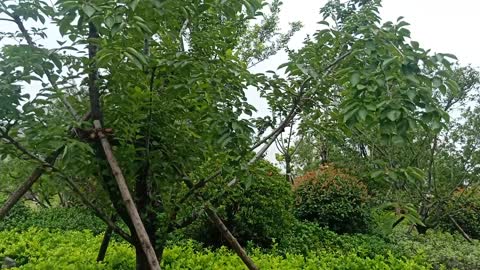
443,26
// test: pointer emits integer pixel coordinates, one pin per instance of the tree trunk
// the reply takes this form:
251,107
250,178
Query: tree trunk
288,169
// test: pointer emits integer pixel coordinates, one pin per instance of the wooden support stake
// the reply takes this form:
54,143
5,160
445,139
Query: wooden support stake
230,238
127,199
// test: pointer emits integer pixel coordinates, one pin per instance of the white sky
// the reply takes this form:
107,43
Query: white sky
443,26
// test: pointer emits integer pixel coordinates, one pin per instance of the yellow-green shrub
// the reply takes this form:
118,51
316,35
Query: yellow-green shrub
40,249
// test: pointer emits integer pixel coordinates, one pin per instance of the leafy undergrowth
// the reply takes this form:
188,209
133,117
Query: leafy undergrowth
42,249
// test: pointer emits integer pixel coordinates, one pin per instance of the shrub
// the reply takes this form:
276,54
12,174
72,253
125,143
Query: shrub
259,211
464,207
307,237
17,216
40,249
74,218
441,249
333,199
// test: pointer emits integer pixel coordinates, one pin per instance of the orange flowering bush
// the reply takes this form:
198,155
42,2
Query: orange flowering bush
332,198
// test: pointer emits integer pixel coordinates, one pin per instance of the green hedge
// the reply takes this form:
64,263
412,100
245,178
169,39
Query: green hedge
57,218
441,249
41,249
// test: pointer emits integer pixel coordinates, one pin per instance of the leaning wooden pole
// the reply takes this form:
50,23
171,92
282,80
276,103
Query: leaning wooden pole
105,242
127,199
97,117
27,184
217,221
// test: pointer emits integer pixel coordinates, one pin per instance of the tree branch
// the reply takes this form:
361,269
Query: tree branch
50,78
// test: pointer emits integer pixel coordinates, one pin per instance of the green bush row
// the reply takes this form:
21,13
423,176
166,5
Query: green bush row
440,249
22,217
42,249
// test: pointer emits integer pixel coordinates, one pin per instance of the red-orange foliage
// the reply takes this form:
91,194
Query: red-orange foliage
329,175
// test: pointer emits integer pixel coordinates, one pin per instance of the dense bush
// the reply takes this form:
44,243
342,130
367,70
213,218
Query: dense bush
74,218
259,211
333,199
306,237
39,249
42,249
17,216
464,207
439,249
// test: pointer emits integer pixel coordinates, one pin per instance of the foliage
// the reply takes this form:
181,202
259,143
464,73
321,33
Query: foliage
41,249
463,207
19,214
333,199
258,210
22,218
172,79
77,250
306,237
440,249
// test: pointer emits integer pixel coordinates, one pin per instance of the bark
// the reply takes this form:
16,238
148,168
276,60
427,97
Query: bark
288,169
230,238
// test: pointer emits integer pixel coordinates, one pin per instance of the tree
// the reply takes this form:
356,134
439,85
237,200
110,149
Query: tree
162,88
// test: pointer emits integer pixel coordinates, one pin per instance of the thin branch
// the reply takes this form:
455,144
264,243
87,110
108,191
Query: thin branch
97,211
22,149
297,103
50,78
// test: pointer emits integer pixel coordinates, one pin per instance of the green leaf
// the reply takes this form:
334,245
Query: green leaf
436,82
452,56
402,24
388,61
376,174
134,4
355,78
362,114
398,140
411,93
134,60
140,57
412,78
371,107
349,114
394,115
88,10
